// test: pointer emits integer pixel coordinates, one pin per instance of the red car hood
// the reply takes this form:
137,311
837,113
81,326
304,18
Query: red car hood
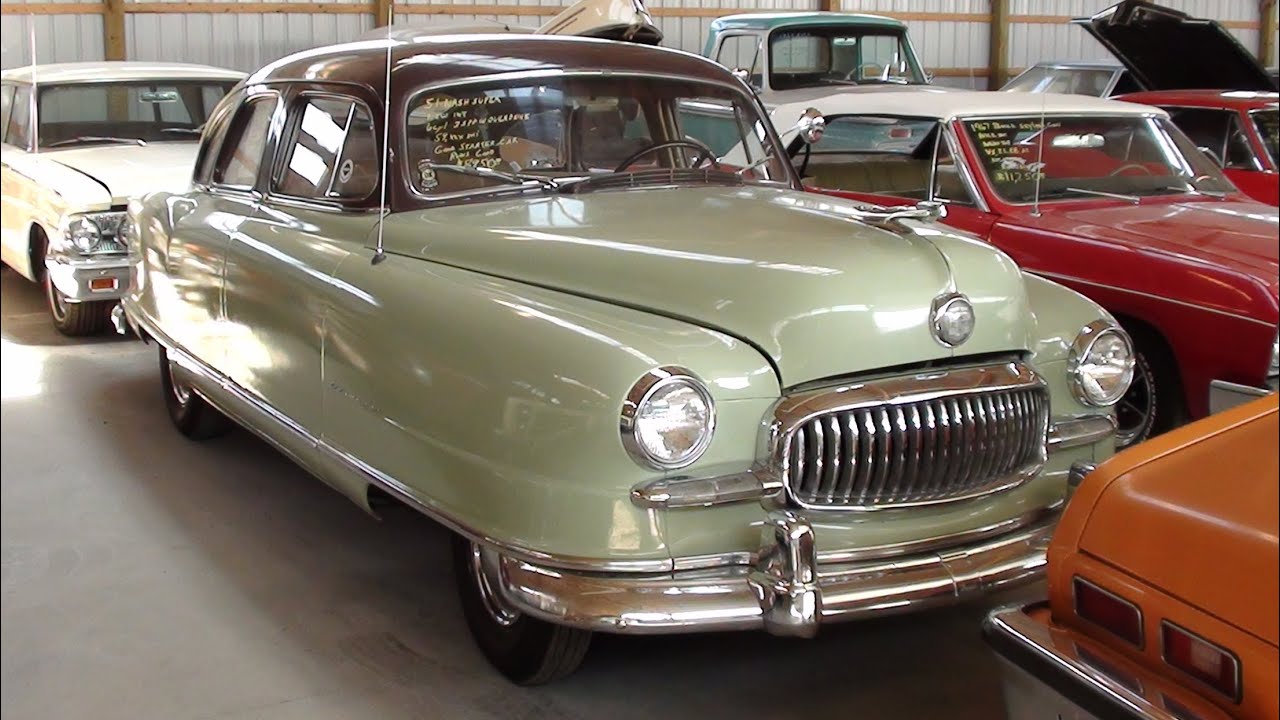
1238,235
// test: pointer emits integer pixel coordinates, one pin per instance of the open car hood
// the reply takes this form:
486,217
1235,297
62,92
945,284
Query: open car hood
1166,49
606,19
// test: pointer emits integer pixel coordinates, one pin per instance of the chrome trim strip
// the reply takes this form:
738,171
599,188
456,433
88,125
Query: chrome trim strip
1015,625
668,493
1225,395
1085,430
374,476
1071,278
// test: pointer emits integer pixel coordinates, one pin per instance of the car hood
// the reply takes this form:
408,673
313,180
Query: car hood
129,171
793,274
1165,49
774,98
1238,235
1198,517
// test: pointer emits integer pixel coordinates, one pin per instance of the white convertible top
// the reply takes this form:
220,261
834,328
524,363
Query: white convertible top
945,104
116,70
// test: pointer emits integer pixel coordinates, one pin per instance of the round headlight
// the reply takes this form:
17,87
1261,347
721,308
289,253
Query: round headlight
953,319
83,234
1100,365
667,419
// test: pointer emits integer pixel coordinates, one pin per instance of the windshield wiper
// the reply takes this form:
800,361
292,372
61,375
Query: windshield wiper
97,138
511,178
184,131
1097,193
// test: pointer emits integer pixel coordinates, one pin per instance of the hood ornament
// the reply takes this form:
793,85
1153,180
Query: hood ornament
952,319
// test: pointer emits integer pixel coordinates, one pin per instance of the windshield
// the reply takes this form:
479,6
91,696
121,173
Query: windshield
568,127
1081,156
1268,124
1071,81
817,56
126,112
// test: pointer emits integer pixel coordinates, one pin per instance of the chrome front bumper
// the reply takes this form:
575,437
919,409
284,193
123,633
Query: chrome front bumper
786,591
1048,677
89,280
1224,395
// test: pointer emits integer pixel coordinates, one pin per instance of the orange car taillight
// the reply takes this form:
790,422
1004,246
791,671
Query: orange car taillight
1108,611
1201,659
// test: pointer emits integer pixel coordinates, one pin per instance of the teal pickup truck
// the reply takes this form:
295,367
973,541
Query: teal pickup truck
788,57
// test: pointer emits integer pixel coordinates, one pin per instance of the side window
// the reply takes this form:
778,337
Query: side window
741,52
241,153
1125,84
6,107
948,184
1207,128
18,129
1239,154
333,153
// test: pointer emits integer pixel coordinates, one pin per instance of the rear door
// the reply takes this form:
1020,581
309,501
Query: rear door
321,206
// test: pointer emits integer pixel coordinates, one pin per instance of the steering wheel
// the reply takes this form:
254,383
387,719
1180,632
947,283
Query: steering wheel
1130,166
704,153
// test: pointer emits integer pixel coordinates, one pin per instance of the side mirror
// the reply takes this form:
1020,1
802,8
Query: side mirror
811,126
745,76
1209,153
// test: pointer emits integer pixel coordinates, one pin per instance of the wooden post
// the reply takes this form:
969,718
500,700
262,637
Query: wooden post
382,13
829,5
113,29
1266,31
998,59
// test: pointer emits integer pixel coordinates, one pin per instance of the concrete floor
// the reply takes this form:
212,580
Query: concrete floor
146,576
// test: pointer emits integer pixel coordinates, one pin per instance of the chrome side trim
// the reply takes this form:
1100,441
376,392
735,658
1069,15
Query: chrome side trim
1072,278
1084,430
684,492
1224,395
372,475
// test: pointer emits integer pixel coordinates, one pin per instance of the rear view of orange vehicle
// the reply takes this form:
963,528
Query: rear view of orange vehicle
1164,584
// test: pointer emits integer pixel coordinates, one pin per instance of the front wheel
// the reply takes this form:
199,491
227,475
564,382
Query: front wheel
76,319
1153,403
526,650
190,413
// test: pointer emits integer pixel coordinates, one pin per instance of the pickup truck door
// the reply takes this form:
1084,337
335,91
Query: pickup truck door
280,263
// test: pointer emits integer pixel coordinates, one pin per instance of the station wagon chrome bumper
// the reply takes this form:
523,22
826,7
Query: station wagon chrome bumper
786,591
89,279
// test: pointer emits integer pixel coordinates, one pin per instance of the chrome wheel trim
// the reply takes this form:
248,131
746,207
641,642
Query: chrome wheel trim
57,306
1136,411
181,390
483,565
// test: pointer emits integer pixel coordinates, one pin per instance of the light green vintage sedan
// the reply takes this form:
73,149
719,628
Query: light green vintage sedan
650,391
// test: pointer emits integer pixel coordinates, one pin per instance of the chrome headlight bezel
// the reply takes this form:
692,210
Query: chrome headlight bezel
93,233
638,398
1081,351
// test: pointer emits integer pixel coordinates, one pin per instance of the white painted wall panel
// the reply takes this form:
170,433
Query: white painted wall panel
243,42
58,38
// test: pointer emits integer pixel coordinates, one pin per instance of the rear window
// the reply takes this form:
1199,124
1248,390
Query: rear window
1268,124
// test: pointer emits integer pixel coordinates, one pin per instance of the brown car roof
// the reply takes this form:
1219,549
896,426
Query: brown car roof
459,57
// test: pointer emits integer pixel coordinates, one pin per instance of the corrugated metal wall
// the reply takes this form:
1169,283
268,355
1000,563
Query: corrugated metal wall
957,50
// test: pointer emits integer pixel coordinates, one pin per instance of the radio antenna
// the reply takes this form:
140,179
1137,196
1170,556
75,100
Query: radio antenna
32,103
380,255
1039,171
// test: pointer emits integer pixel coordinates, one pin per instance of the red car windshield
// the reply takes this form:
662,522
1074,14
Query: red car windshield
1059,157
1268,124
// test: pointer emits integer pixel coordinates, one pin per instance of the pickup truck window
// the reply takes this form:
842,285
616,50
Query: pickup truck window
126,112
741,52
18,129
840,56
6,106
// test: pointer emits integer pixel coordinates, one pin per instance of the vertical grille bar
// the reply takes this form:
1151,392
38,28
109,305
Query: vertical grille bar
827,484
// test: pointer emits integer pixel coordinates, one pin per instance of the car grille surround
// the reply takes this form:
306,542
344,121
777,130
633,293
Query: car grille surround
912,440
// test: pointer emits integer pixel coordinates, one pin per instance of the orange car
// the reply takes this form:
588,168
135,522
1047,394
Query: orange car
1163,584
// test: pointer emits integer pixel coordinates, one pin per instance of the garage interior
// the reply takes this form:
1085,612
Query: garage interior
148,576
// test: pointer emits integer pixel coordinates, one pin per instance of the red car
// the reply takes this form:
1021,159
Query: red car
1108,198
1213,88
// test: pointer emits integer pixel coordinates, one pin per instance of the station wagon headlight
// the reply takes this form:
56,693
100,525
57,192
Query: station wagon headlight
1100,365
668,418
83,234
91,233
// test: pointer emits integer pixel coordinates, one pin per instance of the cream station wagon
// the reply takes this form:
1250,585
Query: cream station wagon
649,389
80,140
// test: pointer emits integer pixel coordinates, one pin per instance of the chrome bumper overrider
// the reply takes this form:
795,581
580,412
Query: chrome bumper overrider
1224,395
785,591
79,280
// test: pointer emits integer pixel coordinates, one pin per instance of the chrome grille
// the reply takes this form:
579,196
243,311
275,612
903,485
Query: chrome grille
908,451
